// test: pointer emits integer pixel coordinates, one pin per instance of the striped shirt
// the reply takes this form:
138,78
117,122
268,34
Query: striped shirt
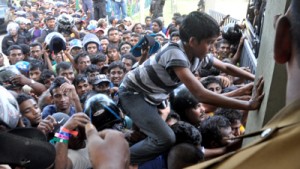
156,78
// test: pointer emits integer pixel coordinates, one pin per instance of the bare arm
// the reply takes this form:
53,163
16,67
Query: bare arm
236,57
206,96
232,70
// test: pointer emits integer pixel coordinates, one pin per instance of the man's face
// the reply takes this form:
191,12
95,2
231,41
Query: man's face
35,74
61,99
155,27
36,52
126,37
13,32
226,135
116,75
114,36
215,87
83,62
92,75
196,114
102,87
75,51
92,48
49,81
104,43
15,56
160,39
67,73
51,23
58,57
127,63
113,55
125,49
82,88
235,127
175,39
31,111
224,50
138,28
148,22
134,40
202,48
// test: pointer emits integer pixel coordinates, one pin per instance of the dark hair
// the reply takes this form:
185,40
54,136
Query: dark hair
159,23
80,78
112,46
208,72
23,97
196,21
135,26
211,130
178,20
129,56
36,64
58,81
91,68
80,55
111,29
186,133
184,155
46,74
25,49
64,66
127,31
115,64
14,47
33,44
147,17
222,41
98,58
231,114
211,79
133,34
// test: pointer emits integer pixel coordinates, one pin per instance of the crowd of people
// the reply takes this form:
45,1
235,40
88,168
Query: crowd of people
110,93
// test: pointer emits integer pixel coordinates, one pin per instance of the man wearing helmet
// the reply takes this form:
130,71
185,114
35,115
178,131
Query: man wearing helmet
66,26
13,37
50,26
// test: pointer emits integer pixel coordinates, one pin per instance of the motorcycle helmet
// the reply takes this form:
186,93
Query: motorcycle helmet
181,99
103,112
65,22
232,33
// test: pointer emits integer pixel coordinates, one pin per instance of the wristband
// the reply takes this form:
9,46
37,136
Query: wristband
74,133
58,135
59,140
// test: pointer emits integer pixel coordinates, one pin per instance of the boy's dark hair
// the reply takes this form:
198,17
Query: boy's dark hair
36,64
33,44
184,155
147,17
211,130
115,64
111,29
129,56
196,21
58,81
133,34
127,31
112,46
211,79
98,58
173,115
178,20
175,33
14,47
208,72
23,97
80,78
64,66
186,133
91,68
46,74
231,114
25,49
80,55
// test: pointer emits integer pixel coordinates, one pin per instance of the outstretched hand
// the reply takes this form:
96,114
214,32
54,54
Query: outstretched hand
258,95
107,149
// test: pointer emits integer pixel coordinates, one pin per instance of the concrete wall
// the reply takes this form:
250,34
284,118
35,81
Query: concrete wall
274,74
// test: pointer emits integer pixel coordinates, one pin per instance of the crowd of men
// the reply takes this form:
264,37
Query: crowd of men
112,93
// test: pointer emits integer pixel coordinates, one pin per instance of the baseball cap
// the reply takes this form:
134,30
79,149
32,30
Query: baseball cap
75,43
100,79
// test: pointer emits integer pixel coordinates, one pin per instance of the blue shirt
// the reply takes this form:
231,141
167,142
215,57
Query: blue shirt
51,109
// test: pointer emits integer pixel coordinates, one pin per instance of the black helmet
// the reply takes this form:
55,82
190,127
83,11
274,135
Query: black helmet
103,112
181,99
6,73
65,22
232,33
